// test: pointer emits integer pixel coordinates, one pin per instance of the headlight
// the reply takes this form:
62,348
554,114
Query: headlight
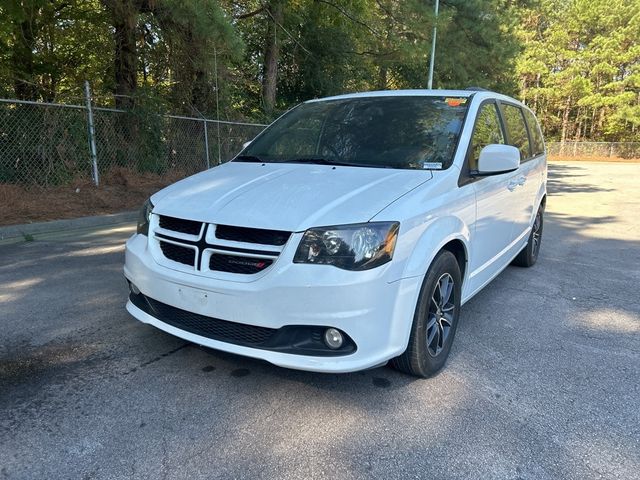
351,247
145,217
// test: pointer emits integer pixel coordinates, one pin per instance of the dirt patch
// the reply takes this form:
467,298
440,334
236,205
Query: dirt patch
120,190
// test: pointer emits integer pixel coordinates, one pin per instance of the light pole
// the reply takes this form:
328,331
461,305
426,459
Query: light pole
433,48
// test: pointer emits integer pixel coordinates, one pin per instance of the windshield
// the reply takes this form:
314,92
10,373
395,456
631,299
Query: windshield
417,132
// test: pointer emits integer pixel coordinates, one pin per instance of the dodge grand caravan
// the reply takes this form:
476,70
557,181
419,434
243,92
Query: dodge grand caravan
348,233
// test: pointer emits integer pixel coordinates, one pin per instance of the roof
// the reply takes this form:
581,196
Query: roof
482,94
400,93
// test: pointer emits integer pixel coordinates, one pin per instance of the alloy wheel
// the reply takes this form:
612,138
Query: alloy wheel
441,314
537,234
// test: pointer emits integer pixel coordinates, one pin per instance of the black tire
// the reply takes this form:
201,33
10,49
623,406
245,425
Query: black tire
424,358
528,256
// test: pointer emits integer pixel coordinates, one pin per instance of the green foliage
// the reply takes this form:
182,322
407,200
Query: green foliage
198,43
576,62
580,67
49,47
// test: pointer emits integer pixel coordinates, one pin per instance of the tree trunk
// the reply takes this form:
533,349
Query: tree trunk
126,57
22,60
601,121
535,97
382,78
565,120
578,127
124,17
200,90
275,15
592,128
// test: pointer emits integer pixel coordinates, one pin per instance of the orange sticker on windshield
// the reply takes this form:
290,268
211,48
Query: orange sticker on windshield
455,102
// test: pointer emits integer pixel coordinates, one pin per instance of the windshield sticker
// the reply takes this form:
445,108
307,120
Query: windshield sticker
432,165
455,102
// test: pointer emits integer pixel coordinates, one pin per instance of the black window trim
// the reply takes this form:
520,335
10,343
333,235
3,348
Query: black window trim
526,127
468,102
529,128
465,177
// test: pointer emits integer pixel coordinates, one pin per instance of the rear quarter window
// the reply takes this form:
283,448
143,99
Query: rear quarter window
537,141
516,130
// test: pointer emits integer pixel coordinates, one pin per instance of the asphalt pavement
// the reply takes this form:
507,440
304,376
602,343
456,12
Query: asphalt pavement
543,381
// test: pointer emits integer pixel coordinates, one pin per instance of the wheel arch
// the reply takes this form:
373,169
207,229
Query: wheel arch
459,250
447,233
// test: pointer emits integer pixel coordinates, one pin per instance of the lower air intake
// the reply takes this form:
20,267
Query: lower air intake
208,327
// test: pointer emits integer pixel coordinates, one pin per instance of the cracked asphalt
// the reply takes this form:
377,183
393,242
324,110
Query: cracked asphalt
543,381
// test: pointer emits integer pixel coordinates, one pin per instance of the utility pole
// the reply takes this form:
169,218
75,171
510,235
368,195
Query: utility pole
433,48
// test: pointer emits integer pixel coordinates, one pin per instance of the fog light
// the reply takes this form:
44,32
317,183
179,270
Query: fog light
333,338
135,290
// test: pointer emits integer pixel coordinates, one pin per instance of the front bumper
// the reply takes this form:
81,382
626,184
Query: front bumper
375,311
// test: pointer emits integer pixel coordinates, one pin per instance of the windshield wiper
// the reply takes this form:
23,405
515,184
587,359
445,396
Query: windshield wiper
313,160
248,158
327,161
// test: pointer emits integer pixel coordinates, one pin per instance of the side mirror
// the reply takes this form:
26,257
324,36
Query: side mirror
497,158
246,144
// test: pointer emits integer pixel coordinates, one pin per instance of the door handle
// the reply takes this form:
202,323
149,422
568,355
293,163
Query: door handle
512,185
522,180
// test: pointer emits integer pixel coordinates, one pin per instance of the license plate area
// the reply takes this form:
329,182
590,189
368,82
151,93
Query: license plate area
199,299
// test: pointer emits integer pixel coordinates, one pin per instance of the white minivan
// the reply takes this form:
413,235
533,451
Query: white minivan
348,233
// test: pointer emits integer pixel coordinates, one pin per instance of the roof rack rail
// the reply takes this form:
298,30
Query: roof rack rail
477,89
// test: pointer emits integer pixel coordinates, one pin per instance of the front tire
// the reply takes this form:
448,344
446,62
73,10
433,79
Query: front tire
435,320
528,256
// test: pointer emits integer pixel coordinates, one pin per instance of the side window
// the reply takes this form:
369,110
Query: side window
517,130
486,131
537,146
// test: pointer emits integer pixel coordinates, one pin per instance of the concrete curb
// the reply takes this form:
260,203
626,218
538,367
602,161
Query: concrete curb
13,232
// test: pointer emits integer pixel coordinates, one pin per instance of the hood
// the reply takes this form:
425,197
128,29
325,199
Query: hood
290,197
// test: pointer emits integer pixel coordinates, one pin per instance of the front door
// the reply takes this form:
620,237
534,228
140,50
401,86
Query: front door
528,178
496,205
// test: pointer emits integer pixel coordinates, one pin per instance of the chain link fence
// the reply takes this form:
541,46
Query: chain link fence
49,144
595,150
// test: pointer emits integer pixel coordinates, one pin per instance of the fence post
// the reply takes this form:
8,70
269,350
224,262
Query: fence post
206,142
92,134
215,68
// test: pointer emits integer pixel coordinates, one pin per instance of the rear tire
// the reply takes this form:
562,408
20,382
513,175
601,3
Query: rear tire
528,256
435,320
